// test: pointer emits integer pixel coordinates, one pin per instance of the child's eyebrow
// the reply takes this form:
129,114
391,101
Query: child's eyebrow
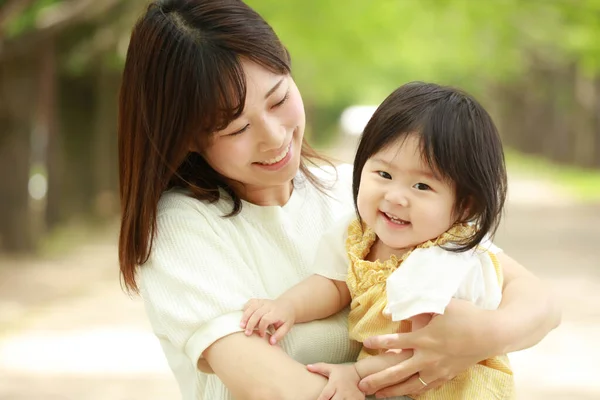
380,160
426,173
419,171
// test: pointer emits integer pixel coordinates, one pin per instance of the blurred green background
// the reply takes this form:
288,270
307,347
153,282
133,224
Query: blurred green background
67,331
535,64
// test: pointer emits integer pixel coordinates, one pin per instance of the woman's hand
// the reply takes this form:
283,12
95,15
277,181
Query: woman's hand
447,346
465,335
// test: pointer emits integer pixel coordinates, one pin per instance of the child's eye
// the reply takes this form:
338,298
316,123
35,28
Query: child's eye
422,186
384,175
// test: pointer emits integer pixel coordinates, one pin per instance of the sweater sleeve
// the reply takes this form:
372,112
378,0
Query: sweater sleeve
195,282
331,260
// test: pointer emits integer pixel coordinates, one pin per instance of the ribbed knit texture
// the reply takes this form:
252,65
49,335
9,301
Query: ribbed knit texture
203,268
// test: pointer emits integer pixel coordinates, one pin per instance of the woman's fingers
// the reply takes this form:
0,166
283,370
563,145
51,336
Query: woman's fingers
389,376
411,386
429,386
393,341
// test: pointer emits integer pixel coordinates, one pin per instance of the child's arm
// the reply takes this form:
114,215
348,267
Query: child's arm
314,298
371,365
317,297
419,321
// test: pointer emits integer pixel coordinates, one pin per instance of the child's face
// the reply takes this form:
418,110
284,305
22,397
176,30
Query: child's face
401,199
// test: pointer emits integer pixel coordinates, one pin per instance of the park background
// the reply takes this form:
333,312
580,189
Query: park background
67,331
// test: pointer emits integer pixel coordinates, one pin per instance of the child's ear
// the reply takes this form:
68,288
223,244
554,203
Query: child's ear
467,212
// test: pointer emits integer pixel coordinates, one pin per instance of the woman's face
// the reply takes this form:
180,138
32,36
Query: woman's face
261,148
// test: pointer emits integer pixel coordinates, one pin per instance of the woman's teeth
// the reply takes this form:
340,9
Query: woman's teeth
278,158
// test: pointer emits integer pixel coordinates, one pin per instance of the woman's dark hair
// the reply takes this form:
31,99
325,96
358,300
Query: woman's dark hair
183,80
458,140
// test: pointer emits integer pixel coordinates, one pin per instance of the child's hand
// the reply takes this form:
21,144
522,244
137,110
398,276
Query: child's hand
263,313
343,381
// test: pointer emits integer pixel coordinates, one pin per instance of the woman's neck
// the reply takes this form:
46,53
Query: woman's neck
266,196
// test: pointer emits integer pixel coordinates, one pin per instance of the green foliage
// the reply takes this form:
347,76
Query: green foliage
359,51
352,43
27,19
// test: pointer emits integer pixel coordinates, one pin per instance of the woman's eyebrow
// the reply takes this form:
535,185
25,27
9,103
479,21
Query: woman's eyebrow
274,88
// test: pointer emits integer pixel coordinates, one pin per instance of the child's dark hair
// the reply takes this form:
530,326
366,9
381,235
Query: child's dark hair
458,140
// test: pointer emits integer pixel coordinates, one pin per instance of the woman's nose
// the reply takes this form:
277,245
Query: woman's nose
273,134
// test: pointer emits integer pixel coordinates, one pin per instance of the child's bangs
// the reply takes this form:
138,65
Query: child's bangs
439,137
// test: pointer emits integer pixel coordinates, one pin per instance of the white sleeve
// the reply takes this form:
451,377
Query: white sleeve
331,259
487,244
427,280
195,283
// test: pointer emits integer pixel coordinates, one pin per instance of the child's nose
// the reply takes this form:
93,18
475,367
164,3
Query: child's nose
397,196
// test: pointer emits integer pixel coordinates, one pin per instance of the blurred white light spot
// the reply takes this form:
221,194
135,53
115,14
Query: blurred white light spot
38,186
355,118
100,350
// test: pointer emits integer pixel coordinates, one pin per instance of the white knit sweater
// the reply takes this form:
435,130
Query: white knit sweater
203,268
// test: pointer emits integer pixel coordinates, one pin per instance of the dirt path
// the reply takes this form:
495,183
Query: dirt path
68,332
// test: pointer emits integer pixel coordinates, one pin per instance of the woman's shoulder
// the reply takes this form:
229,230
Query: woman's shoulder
176,202
334,174
337,181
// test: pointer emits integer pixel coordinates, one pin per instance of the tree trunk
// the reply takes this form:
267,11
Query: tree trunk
18,86
70,152
105,157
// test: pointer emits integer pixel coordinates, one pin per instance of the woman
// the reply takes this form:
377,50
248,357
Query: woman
219,206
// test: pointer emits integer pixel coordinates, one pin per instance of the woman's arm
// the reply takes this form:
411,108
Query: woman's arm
252,369
527,313
465,335
194,285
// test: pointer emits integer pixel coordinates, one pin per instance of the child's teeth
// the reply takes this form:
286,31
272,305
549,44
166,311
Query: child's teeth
394,219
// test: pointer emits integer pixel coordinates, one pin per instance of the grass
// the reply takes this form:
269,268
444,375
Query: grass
582,183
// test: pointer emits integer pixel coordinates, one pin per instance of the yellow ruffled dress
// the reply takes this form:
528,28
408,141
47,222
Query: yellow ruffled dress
366,280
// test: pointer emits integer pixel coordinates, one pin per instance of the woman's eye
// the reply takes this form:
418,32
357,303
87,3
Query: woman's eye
422,186
279,104
384,175
239,131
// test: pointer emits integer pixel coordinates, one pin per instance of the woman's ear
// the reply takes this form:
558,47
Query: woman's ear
194,147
